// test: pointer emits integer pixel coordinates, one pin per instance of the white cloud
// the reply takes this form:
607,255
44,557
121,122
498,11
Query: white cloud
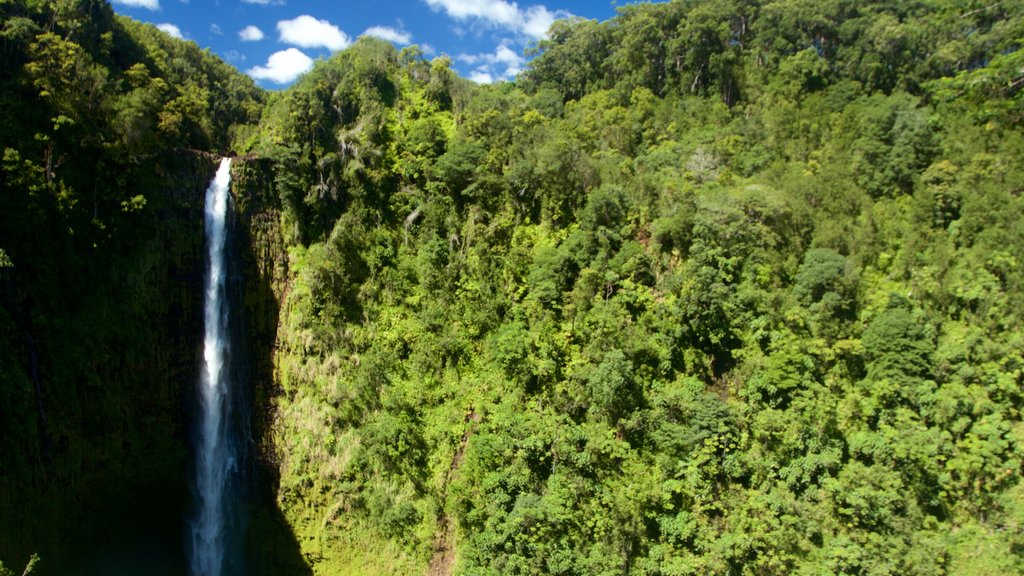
537,20
505,55
496,11
481,77
503,64
216,30
170,30
234,56
533,21
282,67
250,34
263,2
390,34
308,32
147,4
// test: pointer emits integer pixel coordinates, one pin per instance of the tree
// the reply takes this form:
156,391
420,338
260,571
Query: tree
894,144
896,344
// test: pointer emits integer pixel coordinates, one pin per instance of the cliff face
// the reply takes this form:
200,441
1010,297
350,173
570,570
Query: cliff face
263,263
102,384
101,369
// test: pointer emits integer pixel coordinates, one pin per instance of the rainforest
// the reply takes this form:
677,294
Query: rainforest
727,287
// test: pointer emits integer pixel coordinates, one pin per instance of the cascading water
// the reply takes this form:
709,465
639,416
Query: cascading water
217,451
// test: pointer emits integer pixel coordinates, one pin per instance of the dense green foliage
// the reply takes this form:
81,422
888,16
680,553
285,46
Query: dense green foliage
94,361
716,288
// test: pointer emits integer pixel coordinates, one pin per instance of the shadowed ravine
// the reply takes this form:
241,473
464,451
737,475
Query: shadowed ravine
155,529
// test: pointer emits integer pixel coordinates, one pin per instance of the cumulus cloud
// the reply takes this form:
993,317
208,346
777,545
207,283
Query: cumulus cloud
496,11
537,20
308,32
390,34
147,4
481,77
216,30
282,67
250,34
533,21
170,30
503,64
263,2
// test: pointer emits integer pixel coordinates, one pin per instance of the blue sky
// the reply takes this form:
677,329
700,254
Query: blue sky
275,40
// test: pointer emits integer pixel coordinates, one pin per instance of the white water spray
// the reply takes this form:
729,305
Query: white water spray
214,459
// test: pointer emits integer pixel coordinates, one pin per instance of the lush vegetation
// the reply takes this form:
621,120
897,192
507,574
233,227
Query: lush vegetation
716,287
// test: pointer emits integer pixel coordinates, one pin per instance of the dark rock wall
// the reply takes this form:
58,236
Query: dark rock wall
264,262
110,445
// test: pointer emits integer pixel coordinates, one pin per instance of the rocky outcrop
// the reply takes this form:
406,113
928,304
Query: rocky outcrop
264,264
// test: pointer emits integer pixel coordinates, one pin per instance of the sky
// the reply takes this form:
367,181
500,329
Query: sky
274,41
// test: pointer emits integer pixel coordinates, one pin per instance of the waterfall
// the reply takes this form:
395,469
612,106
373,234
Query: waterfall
216,451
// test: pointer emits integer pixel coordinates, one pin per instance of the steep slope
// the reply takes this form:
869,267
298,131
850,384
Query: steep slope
717,287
